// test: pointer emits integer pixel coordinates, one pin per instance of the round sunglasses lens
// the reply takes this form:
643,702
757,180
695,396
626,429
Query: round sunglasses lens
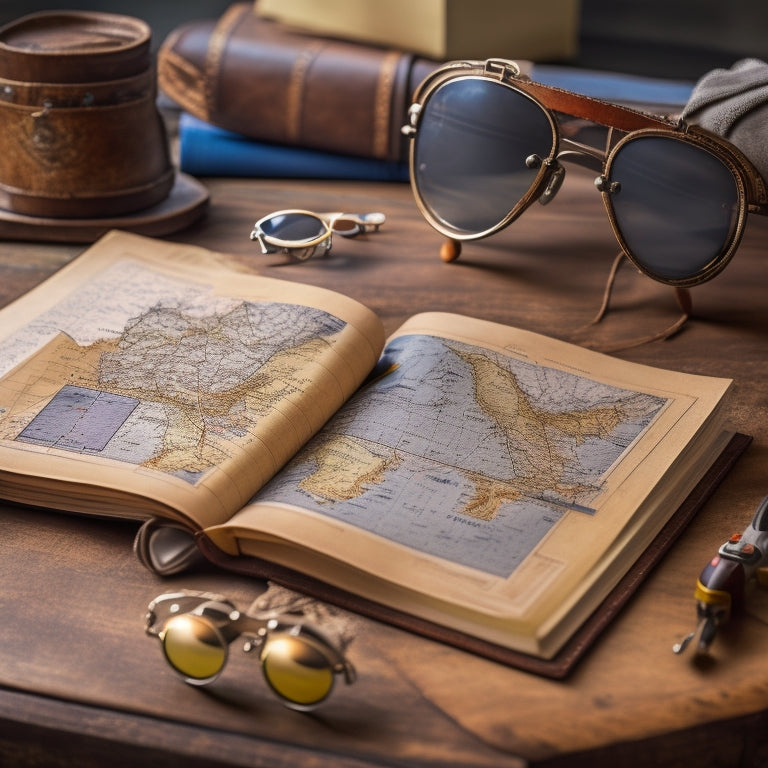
297,669
295,227
470,152
676,206
193,647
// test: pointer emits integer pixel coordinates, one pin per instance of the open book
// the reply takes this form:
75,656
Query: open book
487,482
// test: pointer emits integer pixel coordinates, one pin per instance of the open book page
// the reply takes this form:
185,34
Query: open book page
150,377
491,475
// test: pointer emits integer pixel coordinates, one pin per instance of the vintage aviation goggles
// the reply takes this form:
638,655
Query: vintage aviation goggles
195,630
487,142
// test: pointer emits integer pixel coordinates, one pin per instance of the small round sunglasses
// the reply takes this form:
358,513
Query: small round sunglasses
487,142
195,630
304,234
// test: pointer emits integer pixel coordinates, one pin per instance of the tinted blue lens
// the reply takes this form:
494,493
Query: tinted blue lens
677,207
470,152
297,227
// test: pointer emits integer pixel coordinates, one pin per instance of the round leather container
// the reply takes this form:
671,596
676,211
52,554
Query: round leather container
80,132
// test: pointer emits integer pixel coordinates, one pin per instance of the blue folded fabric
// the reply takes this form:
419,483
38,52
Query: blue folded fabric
206,150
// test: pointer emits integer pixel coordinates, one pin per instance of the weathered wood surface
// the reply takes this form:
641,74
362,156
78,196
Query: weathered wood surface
79,681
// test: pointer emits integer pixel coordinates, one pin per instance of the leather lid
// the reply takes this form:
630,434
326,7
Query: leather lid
83,146
74,46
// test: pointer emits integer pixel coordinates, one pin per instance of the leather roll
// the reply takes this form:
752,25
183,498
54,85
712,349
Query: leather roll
264,81
80,132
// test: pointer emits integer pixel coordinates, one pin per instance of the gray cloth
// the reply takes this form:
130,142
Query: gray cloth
734,104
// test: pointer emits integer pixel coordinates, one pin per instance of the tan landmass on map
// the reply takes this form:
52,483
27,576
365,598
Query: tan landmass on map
25,390
540,447
345,467
200,420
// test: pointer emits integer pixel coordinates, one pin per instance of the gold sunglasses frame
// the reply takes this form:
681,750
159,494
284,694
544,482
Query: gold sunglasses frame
624,125
229,624
344,224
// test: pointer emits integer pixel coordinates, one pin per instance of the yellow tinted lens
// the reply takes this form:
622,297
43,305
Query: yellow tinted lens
297,669
193,647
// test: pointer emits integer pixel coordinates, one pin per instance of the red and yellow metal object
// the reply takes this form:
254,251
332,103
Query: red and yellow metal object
722,586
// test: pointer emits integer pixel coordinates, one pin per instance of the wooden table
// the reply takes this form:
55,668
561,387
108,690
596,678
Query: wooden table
80,684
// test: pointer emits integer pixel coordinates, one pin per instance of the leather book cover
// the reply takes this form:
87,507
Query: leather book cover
561,664
264,81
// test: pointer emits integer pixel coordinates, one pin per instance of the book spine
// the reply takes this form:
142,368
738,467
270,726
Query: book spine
206,150
257,78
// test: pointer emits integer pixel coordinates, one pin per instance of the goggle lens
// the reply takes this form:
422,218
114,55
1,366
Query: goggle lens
297,661
471,152
296,669
295,227
193,647
676,205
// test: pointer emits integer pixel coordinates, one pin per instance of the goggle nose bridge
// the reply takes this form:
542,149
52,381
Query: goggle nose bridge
554,175
555,178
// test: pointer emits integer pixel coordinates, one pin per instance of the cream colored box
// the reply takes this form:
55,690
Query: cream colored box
441,29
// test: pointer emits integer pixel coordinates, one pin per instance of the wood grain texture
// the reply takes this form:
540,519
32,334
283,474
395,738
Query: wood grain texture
79,680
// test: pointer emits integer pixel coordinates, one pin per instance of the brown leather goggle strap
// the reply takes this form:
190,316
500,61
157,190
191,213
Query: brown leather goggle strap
588,108
627,120
553,98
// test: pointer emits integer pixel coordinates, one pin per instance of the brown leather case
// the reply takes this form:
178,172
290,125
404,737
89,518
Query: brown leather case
260,79
80,133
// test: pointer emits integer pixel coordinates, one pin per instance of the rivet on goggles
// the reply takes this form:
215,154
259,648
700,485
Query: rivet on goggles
304,234
195,630
487,142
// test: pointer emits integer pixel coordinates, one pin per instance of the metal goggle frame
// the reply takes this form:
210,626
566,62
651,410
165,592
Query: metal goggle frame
195,630
624,126
303,234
